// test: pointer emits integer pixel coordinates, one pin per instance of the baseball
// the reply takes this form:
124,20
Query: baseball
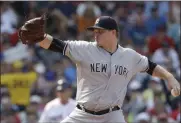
175,94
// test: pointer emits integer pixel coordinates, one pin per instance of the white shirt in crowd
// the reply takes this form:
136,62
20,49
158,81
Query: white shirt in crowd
159,58
54,111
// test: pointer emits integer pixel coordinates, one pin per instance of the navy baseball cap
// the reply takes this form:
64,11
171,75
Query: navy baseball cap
62,84
104,22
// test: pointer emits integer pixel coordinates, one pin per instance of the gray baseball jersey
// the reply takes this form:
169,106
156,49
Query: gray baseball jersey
102,78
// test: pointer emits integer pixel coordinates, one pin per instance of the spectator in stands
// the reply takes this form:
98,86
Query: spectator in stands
42,85
34,105
156,110
10,117
63,5
69,71
19,84
87,12
8,111
174,33
32,117
67,9
174,23
120,16
168,58
138,13
59,26
148,94
154,21
135,98
155,41
9,18
108,7
142,118
175,114
164,118
60,107
138,35
174,11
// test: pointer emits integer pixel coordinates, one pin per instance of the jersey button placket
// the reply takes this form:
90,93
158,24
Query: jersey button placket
112,72
110,64
107,85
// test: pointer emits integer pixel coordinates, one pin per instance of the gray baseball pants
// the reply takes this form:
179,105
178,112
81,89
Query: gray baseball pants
79,116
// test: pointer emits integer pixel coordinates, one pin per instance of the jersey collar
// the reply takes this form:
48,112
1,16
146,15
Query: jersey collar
108,51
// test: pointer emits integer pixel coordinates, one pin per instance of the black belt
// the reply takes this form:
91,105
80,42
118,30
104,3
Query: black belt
98,112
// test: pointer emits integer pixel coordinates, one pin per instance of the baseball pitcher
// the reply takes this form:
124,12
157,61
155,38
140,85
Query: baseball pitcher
104,69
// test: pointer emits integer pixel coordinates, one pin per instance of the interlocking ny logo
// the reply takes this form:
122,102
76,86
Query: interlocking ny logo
97,21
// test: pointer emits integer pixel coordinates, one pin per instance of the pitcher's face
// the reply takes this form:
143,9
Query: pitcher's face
102,36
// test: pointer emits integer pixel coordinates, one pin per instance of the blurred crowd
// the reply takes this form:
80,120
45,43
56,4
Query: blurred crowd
29,73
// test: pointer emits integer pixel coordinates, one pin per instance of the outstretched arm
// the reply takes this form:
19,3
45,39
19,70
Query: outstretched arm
33,31
145,65
172,82
46,42
53,44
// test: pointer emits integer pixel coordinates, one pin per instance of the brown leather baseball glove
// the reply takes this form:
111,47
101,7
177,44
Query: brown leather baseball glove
33,30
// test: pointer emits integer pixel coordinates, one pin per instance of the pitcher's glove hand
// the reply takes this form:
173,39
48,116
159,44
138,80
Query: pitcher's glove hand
33,30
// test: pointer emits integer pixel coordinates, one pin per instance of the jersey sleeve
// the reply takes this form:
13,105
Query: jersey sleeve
6,79
31,77
141,63
44,116
75,50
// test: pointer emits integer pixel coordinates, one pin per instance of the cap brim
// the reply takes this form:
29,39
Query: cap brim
94,27
63,87
59,88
